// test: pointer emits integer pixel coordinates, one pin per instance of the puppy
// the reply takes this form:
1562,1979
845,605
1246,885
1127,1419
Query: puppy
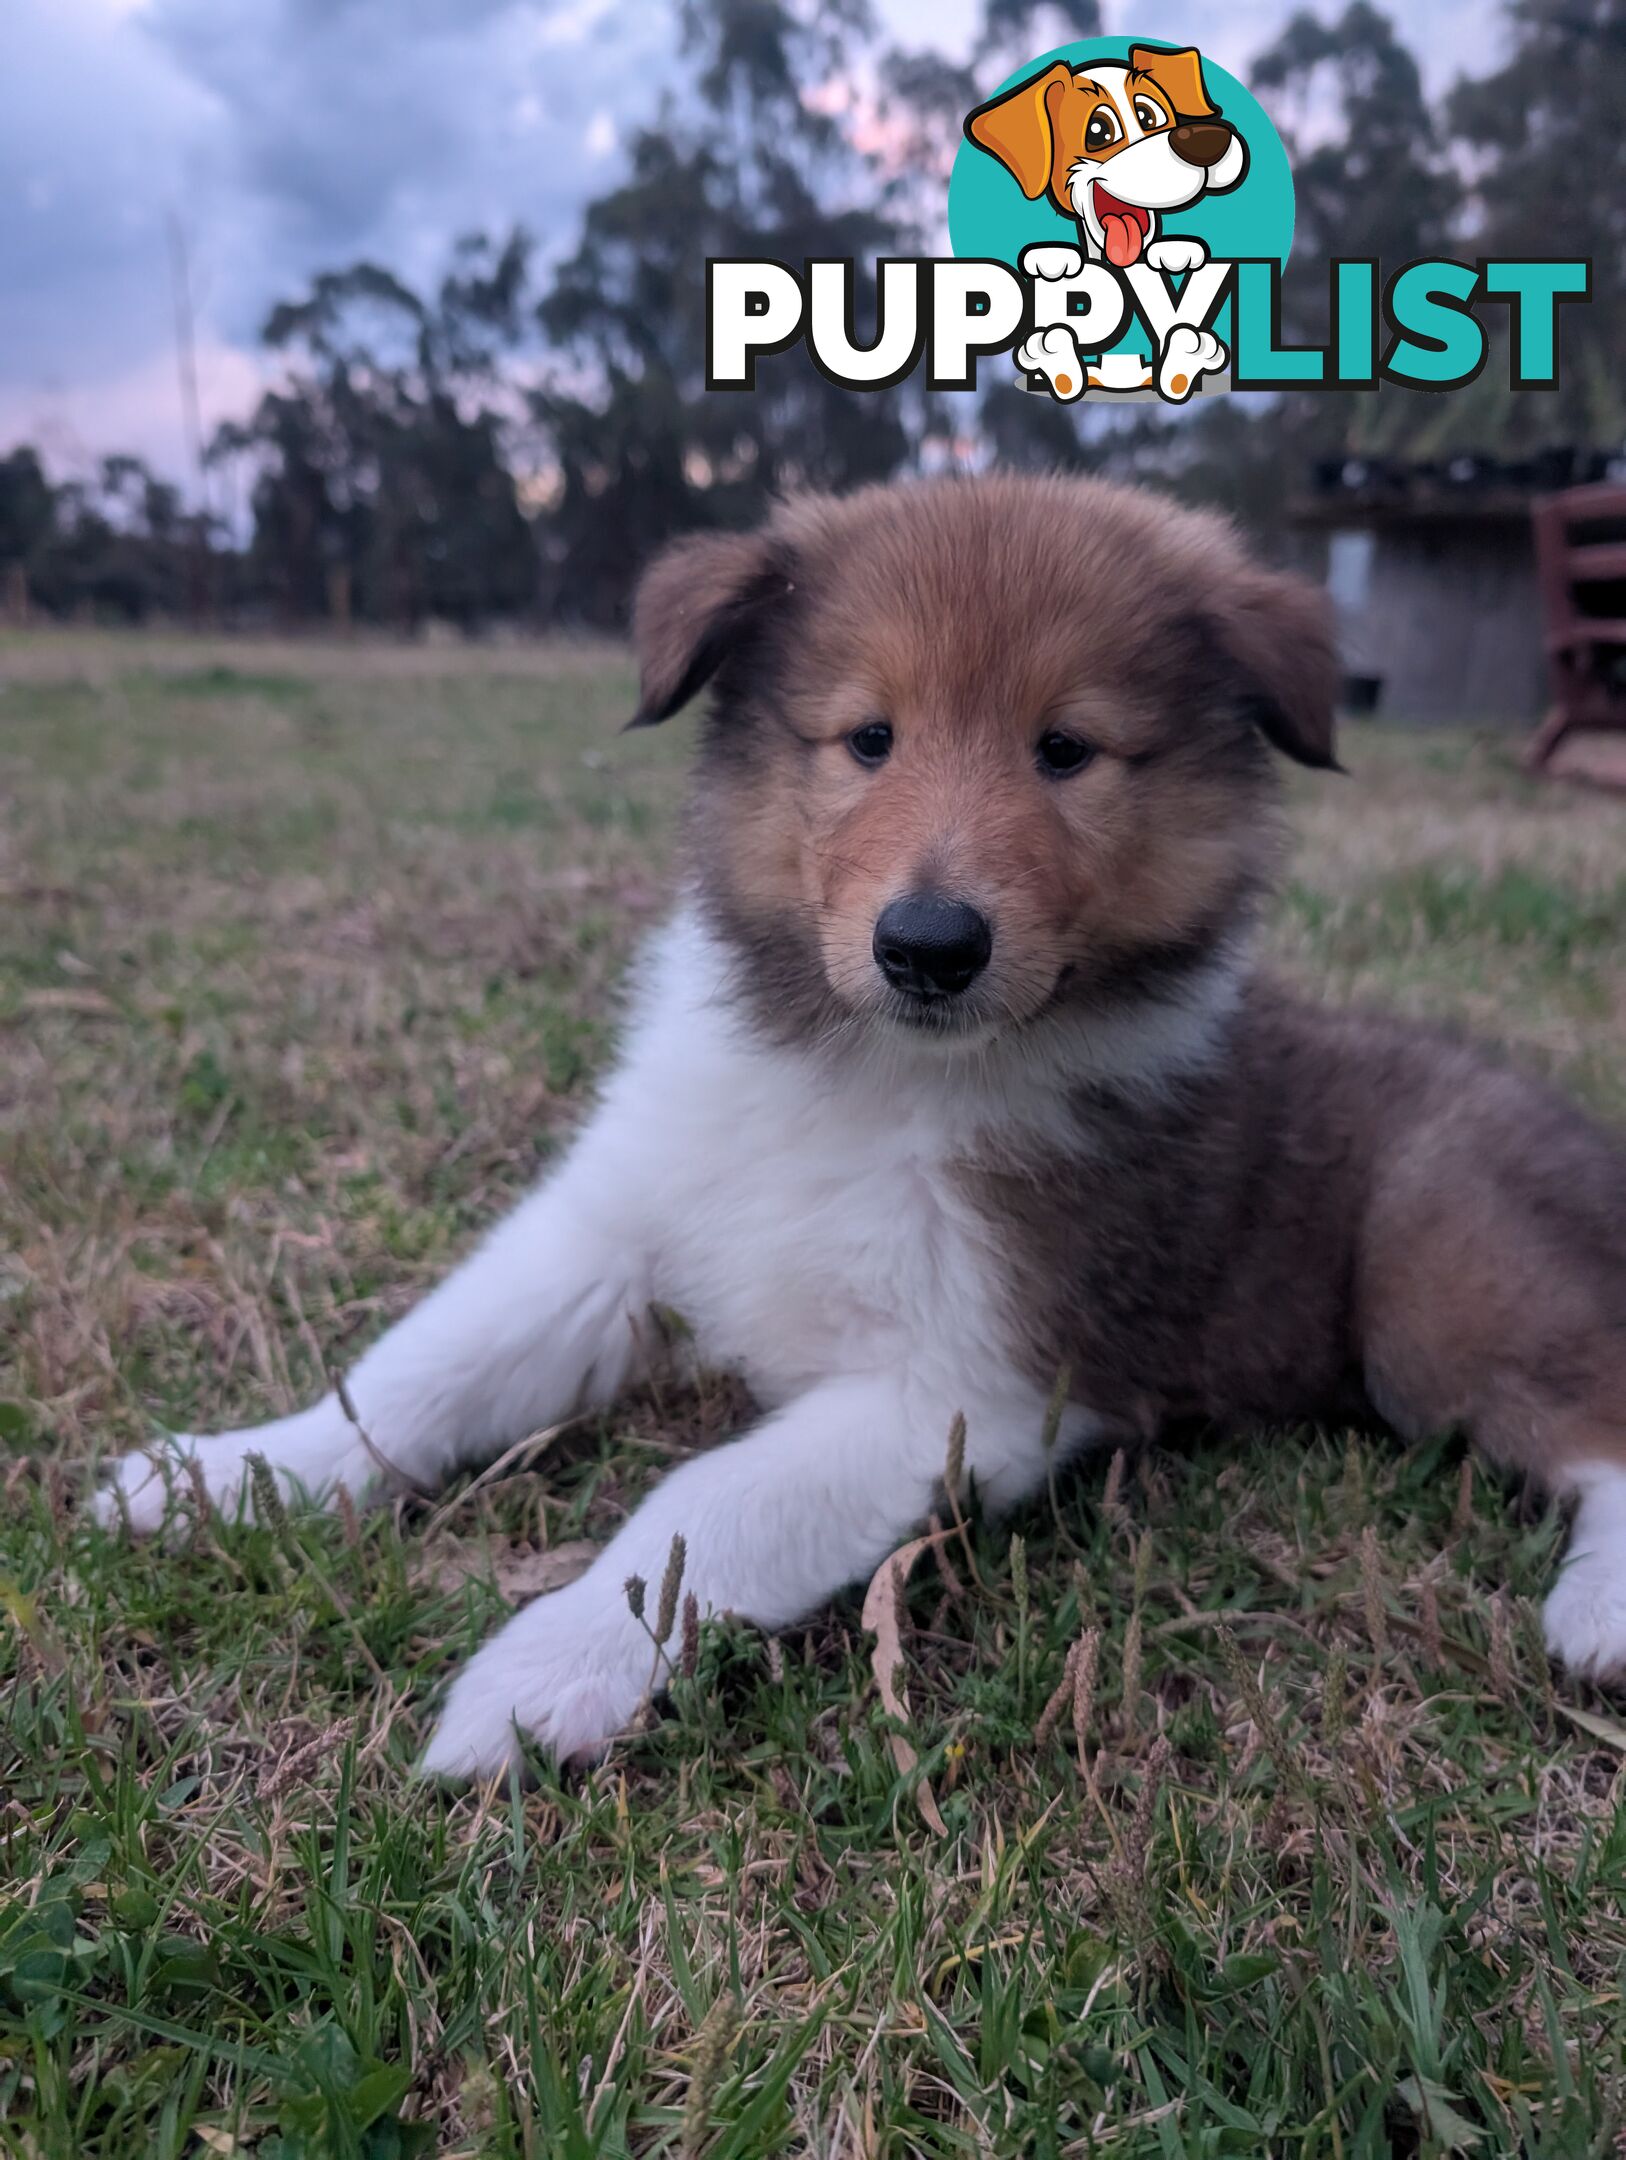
952,1072
1114,147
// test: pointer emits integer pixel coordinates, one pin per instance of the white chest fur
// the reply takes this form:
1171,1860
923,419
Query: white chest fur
802,1228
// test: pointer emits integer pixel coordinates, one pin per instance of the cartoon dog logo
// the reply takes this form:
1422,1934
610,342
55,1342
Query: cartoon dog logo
1116,147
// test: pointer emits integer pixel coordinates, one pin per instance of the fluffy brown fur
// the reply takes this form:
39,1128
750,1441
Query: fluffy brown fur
1332,1211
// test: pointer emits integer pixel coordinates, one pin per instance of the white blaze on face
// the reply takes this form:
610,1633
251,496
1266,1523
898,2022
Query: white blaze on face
1187,356
1053,353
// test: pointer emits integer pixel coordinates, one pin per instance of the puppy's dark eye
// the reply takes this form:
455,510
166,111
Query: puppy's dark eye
871,744
1103,130
1061,753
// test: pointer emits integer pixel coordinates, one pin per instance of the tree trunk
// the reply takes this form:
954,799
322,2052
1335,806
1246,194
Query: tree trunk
15,609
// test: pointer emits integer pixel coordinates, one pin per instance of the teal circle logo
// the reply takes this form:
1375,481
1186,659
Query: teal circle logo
992,213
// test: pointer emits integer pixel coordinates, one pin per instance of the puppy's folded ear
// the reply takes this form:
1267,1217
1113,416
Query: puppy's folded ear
1280,652
1018,128
695,603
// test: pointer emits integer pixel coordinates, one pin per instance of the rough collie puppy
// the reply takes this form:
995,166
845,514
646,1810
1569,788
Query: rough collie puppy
952,1072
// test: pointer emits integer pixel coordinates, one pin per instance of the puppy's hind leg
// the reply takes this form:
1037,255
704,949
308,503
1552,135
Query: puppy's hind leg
1584,1617
1501,1310
540,1322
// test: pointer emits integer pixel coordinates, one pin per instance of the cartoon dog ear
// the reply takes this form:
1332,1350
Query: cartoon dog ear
1179,75
695,603
1277,636
1019,128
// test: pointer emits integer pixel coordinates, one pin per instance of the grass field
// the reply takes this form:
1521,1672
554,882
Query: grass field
307,962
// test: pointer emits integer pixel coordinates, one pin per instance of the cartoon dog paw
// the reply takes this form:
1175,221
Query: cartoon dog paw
1175,257
1050,263
1054,354
1188,355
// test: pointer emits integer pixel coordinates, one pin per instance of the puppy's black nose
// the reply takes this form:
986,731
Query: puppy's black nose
930,946
1200,142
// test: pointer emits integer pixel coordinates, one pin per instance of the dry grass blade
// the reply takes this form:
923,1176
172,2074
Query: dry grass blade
534,1444
883,1611
397,1479
299,1763
689,1651
88,1004
713,2045
1060,1696
1085,1659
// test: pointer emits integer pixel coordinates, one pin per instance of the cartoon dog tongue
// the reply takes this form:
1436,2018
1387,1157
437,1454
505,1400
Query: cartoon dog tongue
1121,236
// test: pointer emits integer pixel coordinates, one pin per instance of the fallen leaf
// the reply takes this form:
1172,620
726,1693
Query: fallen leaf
519,1571
1432,2105
1610,1730
25,1613
882,1602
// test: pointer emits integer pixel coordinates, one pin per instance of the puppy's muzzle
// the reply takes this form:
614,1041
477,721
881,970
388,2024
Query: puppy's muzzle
930,947
1200,142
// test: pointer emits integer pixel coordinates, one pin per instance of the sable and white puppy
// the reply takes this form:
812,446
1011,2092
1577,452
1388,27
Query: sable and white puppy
1115,147
952,1071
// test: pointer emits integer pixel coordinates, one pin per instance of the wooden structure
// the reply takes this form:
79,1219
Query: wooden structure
1581,574
1434,587
1431,565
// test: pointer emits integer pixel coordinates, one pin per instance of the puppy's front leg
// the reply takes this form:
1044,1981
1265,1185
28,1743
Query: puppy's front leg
774,1524
538,1323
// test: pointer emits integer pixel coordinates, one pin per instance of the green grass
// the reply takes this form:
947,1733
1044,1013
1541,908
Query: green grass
307,960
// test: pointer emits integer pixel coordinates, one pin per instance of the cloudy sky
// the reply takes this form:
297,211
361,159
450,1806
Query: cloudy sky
283,136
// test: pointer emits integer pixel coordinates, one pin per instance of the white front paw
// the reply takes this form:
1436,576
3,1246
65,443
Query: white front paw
144,1487
569,1672
308,1453
1051,263
1175,257
1585,1616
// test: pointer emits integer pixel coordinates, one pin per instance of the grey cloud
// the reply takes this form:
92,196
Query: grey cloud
290,135
385,126
95,134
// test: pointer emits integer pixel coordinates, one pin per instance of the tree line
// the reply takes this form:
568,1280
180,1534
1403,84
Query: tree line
509,443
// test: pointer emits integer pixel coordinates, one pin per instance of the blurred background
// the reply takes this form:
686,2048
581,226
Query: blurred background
389,312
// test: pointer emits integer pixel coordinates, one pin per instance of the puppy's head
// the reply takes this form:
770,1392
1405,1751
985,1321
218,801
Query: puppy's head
1114,145
981,752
